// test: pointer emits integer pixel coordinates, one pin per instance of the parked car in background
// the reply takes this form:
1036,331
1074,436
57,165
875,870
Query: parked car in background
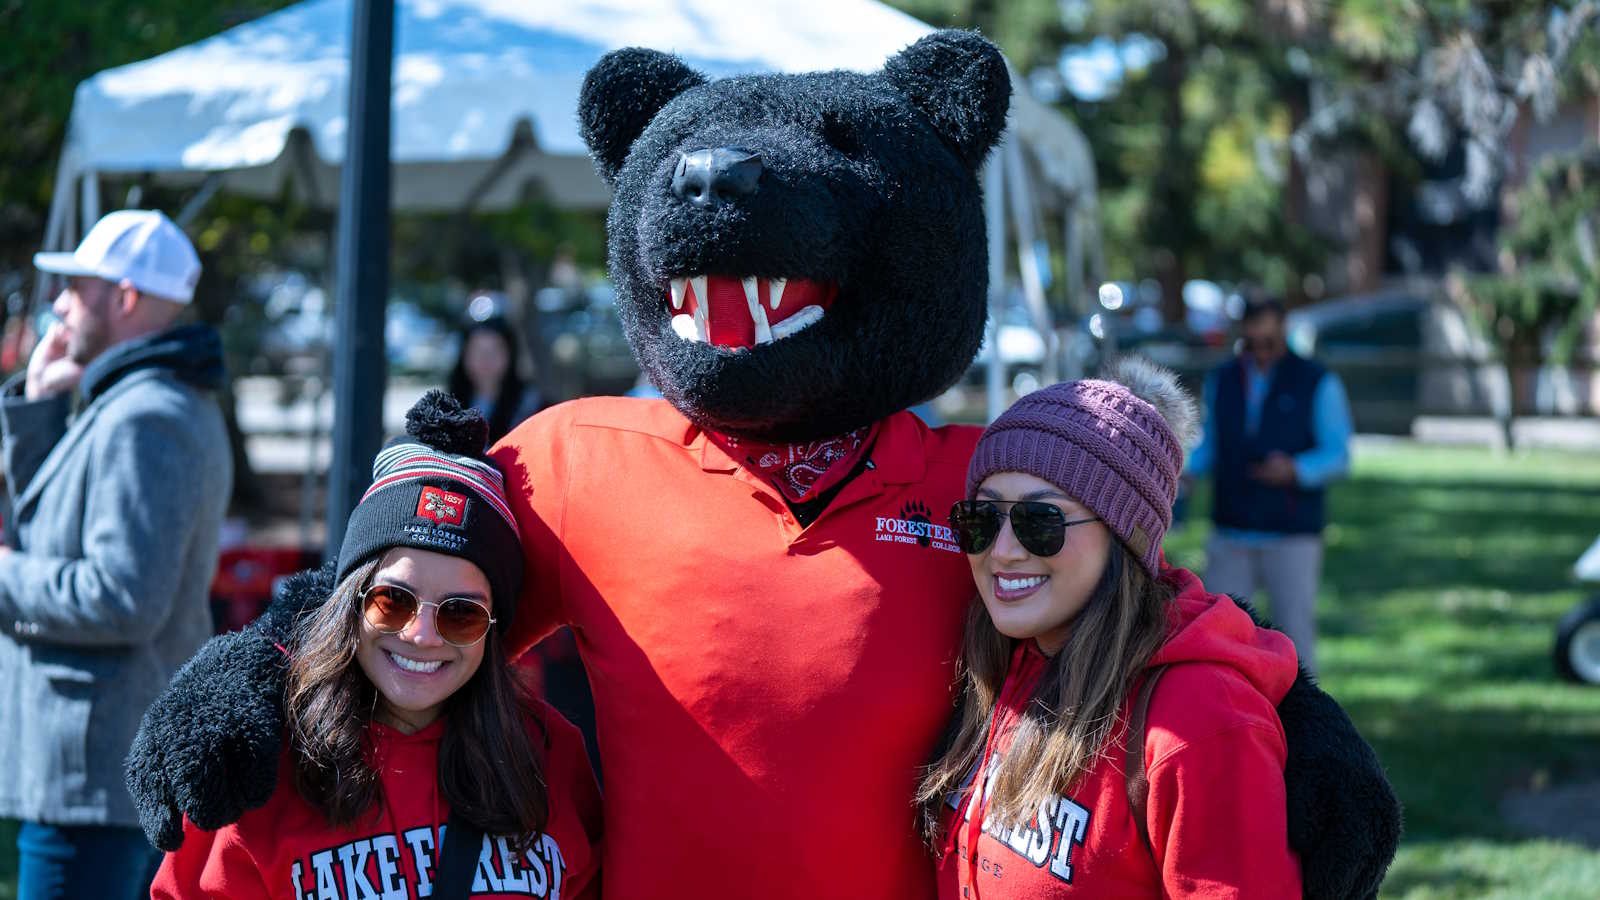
1402,352
586,349
1021,348
285,327
1127,317
417,342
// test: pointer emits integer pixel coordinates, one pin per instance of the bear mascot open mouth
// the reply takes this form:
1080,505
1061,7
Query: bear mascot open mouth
795,256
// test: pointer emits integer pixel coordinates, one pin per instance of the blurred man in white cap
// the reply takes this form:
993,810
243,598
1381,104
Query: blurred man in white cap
115,517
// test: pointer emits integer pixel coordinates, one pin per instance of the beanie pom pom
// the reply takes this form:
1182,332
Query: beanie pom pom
1159,387
440,421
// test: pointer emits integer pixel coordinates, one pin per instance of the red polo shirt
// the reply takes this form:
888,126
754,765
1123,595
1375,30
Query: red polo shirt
765,693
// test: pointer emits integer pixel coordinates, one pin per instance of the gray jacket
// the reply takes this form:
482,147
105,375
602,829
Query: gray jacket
115,521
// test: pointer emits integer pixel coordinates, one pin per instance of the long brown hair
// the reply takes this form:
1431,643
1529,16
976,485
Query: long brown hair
489,767
1073,713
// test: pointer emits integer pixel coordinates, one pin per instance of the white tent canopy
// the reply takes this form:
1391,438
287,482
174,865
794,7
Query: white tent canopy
485,98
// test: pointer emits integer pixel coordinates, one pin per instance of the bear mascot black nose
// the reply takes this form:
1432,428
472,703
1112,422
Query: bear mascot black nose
717,175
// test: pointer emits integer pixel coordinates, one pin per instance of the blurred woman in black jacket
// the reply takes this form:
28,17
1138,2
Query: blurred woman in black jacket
487,376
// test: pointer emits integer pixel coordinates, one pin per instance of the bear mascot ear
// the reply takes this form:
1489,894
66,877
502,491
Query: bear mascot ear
620,96
959,81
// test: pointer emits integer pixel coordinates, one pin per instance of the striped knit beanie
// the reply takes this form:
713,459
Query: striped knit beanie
434,490
1115,446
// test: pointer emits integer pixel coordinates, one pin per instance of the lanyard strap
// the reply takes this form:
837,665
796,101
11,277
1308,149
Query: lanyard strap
1138,780
458,861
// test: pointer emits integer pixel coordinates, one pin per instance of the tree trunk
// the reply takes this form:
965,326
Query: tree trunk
1294,187
1370,211
1521,353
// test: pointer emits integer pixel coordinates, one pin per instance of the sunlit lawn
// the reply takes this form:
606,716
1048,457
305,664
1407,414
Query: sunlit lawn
1446,572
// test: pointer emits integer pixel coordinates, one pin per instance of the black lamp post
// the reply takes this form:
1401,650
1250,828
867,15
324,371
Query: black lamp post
360,368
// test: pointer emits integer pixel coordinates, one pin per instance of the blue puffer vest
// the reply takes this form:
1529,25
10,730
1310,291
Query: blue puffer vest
1239,501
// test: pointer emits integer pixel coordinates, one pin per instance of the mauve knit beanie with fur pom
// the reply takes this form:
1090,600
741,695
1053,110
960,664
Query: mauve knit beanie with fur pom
1114,445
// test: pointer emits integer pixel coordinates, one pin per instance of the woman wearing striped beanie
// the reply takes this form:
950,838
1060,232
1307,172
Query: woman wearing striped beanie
1068,770
402,715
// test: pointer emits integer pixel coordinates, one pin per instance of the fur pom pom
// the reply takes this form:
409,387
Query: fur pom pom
439,421
1159,387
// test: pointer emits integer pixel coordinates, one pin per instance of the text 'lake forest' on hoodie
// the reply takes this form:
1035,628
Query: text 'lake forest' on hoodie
286,850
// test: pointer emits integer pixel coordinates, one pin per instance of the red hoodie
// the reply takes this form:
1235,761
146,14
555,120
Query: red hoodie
287,850
1214,755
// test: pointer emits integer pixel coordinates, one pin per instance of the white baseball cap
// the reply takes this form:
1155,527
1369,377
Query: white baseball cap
140,246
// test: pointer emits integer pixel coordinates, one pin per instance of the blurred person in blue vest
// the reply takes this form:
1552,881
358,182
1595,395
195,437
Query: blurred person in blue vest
1277,433
104,580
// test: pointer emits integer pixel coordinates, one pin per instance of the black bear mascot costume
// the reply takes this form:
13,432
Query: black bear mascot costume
765,601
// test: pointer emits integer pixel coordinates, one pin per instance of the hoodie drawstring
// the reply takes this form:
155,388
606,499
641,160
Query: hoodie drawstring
381,760
1021,676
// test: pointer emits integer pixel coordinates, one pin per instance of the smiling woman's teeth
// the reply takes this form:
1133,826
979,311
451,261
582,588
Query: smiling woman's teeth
415,665
1019,584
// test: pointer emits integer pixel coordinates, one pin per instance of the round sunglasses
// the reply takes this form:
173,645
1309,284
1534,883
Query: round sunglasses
460,622
1041,528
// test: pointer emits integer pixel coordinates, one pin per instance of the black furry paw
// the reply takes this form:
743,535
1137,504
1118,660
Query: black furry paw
1344,818
208,747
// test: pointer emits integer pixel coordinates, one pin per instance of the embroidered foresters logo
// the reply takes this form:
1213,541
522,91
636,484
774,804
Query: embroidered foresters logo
914,525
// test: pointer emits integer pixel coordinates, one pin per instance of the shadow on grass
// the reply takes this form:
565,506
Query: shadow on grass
1388,535
1451,880
1439,601
1461,582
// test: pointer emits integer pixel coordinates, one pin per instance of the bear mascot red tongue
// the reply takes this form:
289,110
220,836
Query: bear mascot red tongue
765,600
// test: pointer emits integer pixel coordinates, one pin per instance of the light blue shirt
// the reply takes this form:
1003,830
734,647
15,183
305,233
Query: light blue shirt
1328,460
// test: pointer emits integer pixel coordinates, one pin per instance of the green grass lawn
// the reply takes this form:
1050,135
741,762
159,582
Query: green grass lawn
1446,571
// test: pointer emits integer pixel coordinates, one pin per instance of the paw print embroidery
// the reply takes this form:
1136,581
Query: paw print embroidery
917,511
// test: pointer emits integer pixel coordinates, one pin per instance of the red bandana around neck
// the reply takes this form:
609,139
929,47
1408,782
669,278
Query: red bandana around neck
801,471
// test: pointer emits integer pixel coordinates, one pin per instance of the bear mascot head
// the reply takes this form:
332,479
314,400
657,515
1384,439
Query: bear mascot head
798,256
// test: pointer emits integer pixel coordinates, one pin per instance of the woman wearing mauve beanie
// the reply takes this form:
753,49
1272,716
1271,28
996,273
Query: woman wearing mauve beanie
1091,780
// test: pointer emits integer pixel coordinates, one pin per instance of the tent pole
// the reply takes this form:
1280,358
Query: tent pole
359,364
208,189
56,226
1072,233
994,186
1020,193
91,199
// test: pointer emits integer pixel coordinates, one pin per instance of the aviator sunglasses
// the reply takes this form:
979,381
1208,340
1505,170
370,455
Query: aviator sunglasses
390,608
1041,528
